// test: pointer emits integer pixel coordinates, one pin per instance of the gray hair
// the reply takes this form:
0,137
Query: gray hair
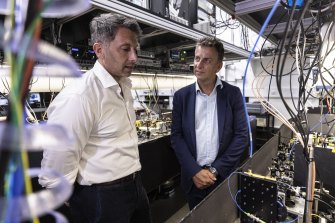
214,43
104,27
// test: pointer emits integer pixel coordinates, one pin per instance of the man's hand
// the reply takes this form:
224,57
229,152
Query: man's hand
203,179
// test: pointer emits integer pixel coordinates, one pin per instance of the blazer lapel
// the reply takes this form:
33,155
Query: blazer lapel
221,109
191,115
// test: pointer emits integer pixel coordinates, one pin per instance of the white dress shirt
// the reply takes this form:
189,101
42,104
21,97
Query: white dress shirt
206,125
102,124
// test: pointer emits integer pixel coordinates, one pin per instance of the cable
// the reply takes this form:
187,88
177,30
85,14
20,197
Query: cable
323,9
237,205
246,70
17,179
294,220
322,201
297,119
258,81
234,198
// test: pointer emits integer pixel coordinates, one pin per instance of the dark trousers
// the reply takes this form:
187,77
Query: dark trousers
119,203
195,196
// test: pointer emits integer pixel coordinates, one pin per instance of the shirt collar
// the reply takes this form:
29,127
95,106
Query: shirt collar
108,80
217,83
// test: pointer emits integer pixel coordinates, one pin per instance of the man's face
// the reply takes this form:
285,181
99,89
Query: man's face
206,63
120,55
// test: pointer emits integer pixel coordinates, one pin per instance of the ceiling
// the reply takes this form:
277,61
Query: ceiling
159,33
75,30
163,34
254,13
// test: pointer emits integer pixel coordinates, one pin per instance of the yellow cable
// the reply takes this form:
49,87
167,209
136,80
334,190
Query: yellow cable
317,216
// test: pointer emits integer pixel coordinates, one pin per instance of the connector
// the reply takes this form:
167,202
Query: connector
298,4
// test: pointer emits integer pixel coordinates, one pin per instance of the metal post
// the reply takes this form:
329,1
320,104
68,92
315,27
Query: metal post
310,182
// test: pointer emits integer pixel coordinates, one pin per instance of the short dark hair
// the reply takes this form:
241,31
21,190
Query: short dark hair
104,27
212,42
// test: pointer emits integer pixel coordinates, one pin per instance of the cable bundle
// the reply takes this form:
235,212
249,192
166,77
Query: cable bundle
313,50
20,38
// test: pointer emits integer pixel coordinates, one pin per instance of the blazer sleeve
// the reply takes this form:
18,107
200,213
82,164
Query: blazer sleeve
229,157
179,143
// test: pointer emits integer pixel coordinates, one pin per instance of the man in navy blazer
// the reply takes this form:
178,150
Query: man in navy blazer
209,126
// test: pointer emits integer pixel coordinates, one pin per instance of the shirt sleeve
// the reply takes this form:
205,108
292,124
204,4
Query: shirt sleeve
74,114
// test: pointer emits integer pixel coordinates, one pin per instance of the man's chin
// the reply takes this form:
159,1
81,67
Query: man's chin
127,72
198,76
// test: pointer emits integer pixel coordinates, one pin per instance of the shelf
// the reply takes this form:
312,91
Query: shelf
149,18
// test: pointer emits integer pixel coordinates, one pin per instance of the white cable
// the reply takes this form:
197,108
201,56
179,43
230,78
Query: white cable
259,79
324,9
30,113
272,110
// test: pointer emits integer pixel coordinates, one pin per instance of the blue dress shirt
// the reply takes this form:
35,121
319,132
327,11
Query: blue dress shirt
206,125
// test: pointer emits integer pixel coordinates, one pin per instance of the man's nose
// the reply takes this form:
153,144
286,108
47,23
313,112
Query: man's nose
199,63
133,55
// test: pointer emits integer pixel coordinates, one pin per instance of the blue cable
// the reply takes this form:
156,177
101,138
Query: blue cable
294,220
16,186
246,70
280,203
231,194
292,147
234,198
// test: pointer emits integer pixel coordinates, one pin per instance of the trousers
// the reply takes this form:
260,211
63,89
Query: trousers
124,202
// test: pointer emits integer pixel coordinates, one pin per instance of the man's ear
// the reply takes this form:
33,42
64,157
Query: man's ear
219,67
98,49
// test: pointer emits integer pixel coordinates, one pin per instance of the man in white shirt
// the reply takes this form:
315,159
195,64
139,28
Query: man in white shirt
97,111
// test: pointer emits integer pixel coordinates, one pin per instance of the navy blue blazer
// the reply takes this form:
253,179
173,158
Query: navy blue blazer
233,131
